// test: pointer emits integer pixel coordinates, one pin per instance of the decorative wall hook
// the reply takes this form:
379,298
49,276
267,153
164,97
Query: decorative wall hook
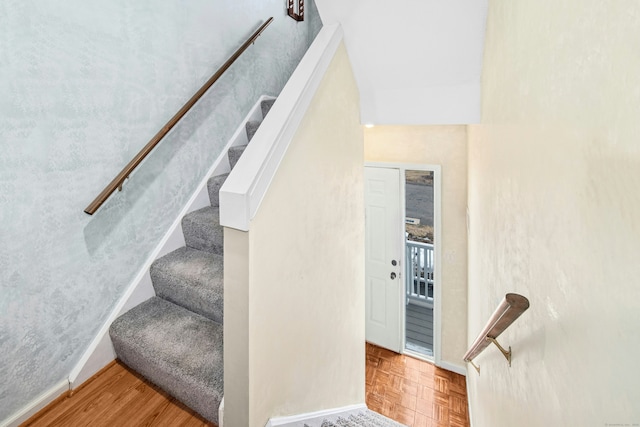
290,10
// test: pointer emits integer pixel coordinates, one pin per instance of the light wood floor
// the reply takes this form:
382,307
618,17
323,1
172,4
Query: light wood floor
117,397
408,390
414,392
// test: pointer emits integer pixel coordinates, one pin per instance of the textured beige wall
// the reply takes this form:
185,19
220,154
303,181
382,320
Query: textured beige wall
554,173
306,265
445,146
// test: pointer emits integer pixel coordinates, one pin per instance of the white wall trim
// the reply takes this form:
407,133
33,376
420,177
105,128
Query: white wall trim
36,405
437,222
299,420
245,188
100,352
221,413
471,423
453,367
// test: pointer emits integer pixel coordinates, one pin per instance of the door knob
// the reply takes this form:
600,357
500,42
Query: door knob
393,276
394,262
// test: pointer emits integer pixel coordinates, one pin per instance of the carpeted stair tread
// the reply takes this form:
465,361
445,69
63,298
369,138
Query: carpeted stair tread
202,230
213,187
192,279
265,106
252,128
179,351
175,338
235,153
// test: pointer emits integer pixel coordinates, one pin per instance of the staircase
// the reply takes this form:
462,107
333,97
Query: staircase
175,339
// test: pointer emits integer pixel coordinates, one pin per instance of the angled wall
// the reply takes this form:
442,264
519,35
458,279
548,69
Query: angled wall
554,171
84,86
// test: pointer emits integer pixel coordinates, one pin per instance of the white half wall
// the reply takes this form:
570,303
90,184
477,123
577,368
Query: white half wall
296,310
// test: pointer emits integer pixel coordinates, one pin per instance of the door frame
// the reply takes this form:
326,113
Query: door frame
437,279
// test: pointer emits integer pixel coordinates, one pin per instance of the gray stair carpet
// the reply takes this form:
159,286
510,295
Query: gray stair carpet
252,128
179,351
265,106
174,339
192,279
366,418
213,187
202,230
235,153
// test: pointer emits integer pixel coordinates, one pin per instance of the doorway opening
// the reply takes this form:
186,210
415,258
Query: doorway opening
402,258
419,262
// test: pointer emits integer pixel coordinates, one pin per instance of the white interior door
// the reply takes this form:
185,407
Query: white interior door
384,289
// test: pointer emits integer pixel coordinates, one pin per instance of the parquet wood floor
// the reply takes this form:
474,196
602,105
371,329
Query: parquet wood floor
408,390
414,392
117,396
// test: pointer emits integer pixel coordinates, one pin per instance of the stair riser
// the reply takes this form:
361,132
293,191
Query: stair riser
252,128
193,280
168,382
202,231
265,106
213,187
234,154
196,241
175,349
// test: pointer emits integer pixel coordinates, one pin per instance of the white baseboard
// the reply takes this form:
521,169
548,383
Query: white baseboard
100,352
453,367
36,405
221,412
300,420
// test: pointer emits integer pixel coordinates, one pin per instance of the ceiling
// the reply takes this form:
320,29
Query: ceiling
415,61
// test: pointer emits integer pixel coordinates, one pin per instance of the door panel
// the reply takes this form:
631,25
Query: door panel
383,245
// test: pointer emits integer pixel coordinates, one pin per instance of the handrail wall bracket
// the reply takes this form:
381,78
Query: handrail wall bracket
505,353
511,307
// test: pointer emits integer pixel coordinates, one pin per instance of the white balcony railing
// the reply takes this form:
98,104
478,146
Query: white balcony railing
419,274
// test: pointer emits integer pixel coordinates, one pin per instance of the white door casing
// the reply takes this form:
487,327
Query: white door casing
384,290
